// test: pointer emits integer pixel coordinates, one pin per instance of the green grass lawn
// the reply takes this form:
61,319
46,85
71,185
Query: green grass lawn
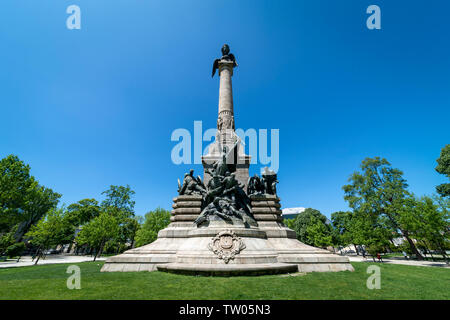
397,282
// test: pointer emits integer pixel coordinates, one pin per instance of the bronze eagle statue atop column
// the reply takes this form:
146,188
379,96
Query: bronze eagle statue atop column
226,55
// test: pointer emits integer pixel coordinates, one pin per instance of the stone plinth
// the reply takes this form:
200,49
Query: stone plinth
268,248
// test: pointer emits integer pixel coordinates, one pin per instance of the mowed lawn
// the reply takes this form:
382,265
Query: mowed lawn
397,282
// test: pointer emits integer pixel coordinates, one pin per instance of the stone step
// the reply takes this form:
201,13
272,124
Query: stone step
228,269
183,211
266,210
187,204
267,217
266,204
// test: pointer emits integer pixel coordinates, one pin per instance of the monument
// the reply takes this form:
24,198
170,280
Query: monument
228,223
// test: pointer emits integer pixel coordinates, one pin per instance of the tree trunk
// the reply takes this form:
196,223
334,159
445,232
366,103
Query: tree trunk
428,250
356,250
38,256
35,254
99,250
442,250
96,252
412,245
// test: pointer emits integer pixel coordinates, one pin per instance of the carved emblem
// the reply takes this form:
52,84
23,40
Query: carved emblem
226,245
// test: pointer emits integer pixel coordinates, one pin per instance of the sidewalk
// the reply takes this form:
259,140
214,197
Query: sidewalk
50,259
400,260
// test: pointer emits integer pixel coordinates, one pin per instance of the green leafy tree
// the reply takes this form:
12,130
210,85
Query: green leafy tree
154,222
38,202
428,221
15,181
97,232
127,232
341,222
119,202
7,240
290,223
121,198
318,233
305,219
377,195
52,230
23,201
83,211
15,250
443,167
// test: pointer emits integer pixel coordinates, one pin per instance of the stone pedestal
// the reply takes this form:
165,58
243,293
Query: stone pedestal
220,248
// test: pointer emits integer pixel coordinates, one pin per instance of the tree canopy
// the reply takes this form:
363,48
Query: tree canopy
83,211
97,232
317,224
120,197
22,200
377,195
155,221
52,230
443,167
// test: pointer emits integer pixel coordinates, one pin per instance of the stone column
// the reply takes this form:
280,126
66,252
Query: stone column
226,136
225,121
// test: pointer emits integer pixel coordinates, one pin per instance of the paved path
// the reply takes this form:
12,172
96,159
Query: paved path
50,259
401,260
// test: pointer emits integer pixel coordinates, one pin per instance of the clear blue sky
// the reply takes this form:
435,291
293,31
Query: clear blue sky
93,107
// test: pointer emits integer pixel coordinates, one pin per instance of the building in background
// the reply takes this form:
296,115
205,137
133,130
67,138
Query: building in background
291,213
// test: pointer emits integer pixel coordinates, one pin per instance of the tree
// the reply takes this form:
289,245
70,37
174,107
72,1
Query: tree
83,211
38,202
15,181
341,222
305,219
22,200
376,195
443,167
7,240
15,250
154,222
290,223
97,232
428,221
53,229
120,197
318,234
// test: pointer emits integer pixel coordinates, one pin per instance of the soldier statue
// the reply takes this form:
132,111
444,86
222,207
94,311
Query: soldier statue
191,185
255,185
269,180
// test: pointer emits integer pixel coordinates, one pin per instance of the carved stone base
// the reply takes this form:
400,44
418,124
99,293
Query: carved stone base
220,248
